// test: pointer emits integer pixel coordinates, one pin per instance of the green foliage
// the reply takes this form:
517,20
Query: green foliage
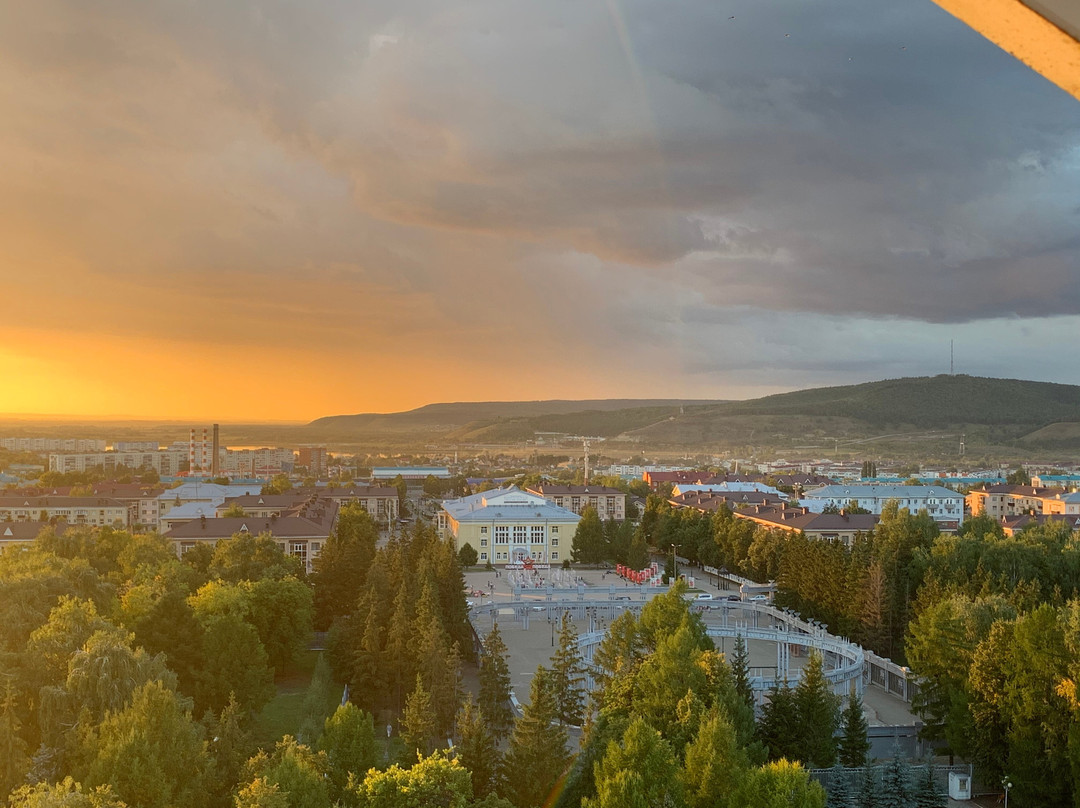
341,568
279,484
151,752
348,741
714,764
536,756
418,723
780,784
568,675
895,789
927,792
261,793
316,702
246,557
589,546
817,711
853,746
494,699
740,671
65,794
476,748
467,555
300,774
432,781
639,770
839,791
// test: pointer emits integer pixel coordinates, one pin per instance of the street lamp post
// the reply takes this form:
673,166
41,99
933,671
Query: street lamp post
675,559
551,622
1007,784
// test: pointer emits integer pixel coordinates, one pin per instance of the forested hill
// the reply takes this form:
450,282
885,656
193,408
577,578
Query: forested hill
929,402
1000,410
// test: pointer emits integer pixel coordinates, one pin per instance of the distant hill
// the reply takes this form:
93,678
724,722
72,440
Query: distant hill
993,411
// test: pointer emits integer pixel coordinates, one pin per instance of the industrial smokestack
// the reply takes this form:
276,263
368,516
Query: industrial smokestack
215,457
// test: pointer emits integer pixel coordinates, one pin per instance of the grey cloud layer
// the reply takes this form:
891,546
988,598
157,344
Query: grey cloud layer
840,157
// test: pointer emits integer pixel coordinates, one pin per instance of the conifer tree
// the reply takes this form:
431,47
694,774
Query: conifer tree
588,544
867,794
854,744
476,747
740,670
714,763
568,675
817,715
838,794
927,793
418,723
495,684
777,729
895,790
639,769
537,754
348,741
13,758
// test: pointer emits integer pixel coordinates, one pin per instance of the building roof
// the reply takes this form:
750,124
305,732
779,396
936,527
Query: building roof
548,490
351,491
881,492
709,501
16,532
208,492
414,472
506,504
1019,491
803,519
285,527
1011,525
59,502
729,487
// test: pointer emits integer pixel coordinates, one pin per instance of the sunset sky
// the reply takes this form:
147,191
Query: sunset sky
256,210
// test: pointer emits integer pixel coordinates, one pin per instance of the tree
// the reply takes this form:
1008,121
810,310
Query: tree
236,665
230,747
839,791
866,796
477,748
536,757
640,770
418,722
927,793
234,511
778,726
348,741
895,791
854,745
433,781
494,701
740,671
171,628
301,774
402,493
13,758
341,568
281,611
65,794
151,752
279,484
637,557
714,764
817,713
588,544
261,793
568,675
780,784
467,555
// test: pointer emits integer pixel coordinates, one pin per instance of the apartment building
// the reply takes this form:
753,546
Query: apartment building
302,534
379,501
1006,500
510,527
166,462
91,511
944,506
609,503
52,444
844,527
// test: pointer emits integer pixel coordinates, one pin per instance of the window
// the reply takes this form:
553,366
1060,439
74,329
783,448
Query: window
536,534
575,503
483,542
554,529
502,534
555,556
554,541
483,556
611,503
299,549
519,534
483,530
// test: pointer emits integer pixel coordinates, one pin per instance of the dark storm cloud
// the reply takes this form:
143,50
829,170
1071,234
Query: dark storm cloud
627,164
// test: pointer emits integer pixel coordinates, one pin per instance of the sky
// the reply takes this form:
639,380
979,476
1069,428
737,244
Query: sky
259,210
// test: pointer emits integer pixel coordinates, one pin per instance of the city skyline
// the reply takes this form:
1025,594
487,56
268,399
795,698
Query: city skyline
328,209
